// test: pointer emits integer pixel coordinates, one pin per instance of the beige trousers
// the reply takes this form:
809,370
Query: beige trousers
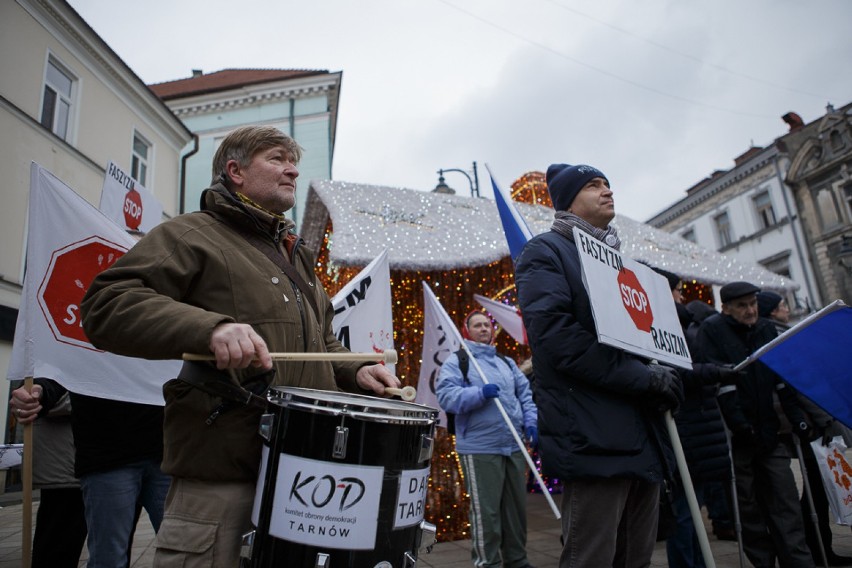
203,524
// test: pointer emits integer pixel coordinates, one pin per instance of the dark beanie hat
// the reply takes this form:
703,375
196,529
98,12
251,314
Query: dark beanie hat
564,182
767,302
735,290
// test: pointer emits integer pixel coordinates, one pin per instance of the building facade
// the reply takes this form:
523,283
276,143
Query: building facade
69,103
749,213
301,103
820,176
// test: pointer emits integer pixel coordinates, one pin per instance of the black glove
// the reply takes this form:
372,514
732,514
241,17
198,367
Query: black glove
726,375
665,387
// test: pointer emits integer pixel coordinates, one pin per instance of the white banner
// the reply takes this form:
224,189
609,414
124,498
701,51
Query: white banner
363,320
632,305
440,339
507,316
68,243
127,203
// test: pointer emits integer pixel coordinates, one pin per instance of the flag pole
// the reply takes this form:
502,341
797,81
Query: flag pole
27,473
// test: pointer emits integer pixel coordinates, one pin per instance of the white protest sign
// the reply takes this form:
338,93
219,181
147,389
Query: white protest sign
326,504
127,203
411,499
11,455
632,305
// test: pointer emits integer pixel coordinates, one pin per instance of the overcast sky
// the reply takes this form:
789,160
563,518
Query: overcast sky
657,94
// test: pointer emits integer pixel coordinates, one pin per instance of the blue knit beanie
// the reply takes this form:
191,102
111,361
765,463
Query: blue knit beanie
564,182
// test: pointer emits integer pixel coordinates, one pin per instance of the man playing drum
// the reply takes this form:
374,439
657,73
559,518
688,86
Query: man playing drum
234,280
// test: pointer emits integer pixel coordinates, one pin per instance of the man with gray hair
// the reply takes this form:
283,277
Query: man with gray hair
600,409
235,281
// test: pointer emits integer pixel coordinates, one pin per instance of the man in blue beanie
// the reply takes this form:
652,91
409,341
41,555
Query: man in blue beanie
601,410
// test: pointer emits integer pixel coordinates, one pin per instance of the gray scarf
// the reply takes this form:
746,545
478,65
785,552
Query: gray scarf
565,223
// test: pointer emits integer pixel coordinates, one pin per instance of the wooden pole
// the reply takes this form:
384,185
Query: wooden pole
27,473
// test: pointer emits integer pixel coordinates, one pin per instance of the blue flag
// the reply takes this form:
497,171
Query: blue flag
815,358
516,229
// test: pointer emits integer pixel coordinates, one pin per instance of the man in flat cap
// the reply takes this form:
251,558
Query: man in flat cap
767,496
601,410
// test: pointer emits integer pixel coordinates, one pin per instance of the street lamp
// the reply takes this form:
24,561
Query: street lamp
442,187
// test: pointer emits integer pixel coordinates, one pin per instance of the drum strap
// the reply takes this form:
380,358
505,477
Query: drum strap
277,257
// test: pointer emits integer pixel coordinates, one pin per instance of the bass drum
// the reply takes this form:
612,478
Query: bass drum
342,482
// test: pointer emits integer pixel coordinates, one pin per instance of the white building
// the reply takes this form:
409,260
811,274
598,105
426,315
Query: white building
748,213
69,103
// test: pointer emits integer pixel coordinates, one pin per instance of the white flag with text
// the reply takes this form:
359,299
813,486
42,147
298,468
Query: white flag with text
363,317
68,243
440,339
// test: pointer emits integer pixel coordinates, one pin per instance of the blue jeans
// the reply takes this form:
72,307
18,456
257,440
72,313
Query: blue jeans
110,499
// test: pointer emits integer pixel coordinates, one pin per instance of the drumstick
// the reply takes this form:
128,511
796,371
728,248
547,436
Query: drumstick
406,393
387,356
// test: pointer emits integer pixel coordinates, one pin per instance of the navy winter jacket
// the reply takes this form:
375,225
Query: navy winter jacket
595,416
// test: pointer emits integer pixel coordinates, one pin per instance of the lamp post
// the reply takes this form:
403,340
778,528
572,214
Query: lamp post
442,187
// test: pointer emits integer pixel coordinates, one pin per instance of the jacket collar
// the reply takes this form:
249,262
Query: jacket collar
218,198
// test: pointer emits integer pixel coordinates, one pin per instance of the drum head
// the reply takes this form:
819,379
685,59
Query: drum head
362,407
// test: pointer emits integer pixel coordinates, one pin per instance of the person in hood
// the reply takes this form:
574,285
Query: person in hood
235,281
493,464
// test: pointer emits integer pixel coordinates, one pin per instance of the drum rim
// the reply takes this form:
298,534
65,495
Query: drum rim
400,412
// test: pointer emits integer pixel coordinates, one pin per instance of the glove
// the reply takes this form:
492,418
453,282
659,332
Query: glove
666,388
725,375
491,391
831,430
532,436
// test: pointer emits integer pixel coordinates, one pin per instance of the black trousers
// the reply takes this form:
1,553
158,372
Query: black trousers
60,529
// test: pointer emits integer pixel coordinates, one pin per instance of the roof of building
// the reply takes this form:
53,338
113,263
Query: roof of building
203,83
438,231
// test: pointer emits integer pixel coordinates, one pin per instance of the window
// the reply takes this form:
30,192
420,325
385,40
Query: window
139,159
763,208
723,229
847,196
689,235
58,99
827,208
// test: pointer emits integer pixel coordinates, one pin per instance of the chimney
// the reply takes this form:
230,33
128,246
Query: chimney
197,73
793,120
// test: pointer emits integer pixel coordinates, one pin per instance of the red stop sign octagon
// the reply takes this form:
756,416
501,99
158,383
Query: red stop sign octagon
635,300
133,209
68,276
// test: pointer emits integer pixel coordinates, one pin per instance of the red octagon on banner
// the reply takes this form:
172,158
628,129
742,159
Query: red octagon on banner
635,300
68,276
133,209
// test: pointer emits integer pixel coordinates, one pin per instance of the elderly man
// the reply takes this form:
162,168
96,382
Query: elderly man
235,281
600,409
766,490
